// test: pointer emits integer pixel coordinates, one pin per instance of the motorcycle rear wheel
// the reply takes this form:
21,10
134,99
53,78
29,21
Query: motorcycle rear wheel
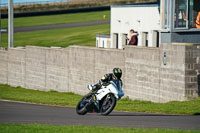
108,104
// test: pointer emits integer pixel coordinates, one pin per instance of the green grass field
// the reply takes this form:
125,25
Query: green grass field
59,37
68,99
36,128
187,107
58,19
35,96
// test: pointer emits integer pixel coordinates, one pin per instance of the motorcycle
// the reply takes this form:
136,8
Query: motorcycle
101,101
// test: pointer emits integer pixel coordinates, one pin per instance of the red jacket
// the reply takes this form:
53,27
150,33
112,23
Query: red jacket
134,40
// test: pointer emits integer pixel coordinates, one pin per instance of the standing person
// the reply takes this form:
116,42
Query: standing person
198,20
133,39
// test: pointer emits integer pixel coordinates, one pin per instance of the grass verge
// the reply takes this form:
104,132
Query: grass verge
36,96
58,19
59,37
191,107
56,98
36,128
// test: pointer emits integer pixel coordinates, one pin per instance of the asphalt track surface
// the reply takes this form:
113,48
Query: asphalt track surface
16,112
59,26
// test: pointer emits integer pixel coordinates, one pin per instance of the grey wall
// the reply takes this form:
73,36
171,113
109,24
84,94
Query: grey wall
180,37
72,69
147,78
3,67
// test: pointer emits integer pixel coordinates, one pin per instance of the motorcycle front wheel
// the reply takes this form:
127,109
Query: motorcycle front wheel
81,106
108,104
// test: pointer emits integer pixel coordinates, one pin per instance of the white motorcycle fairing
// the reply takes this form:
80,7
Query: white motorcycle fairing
111,88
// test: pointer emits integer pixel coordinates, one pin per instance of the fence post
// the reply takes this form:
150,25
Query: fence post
10,23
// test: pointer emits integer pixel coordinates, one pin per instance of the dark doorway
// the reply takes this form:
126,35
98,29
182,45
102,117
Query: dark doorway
157,40
146,39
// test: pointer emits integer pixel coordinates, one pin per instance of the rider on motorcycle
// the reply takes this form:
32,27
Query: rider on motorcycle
103,96
116,75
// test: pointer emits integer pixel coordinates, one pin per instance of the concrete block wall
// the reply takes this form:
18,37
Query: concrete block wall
57,69
81,68
142,66
145,75
46,68
16,67
69,69
172,74
149,77
35,68
106,60
192,70
3,66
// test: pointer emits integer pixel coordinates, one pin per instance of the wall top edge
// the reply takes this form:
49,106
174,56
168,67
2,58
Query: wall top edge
20,49
47,48
95,48
141,47
136,5
64,49
186,44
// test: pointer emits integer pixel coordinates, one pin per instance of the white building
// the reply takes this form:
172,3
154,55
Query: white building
145,19
165,21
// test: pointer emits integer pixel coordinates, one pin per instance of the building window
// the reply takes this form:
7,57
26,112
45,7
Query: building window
194,9
181,14
185,13
166,14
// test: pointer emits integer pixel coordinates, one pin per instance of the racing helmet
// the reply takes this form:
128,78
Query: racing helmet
117,73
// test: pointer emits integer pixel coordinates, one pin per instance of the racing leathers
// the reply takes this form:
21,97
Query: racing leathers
104,81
